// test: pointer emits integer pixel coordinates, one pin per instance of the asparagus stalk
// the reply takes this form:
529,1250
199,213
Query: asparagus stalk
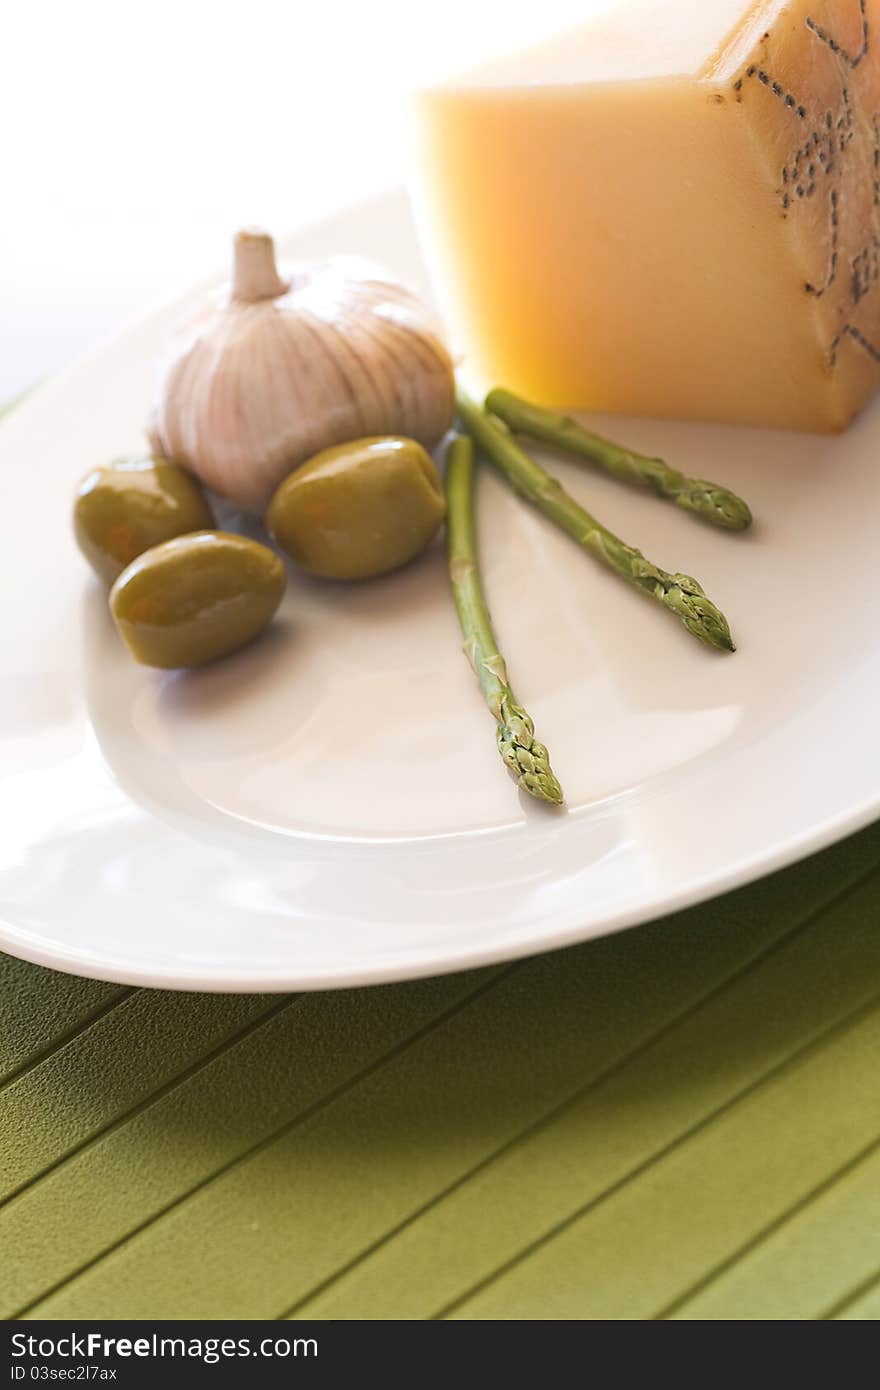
716,504
523,755
678,592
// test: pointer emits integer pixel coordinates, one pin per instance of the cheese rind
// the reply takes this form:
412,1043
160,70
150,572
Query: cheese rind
705,245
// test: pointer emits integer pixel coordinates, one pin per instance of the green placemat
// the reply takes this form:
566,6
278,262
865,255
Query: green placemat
681,1121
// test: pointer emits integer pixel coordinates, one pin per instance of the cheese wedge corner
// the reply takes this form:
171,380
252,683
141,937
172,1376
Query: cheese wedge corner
673,212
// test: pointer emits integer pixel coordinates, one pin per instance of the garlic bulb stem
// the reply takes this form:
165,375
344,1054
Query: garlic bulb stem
255,274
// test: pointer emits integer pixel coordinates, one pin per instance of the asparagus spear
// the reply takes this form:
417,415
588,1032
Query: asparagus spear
679,592
524,756
712,502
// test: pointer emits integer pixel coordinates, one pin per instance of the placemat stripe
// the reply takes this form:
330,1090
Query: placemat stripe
843,1214
248,1109
38,1015
748,1028
653,1232
863,1302
153,1036
308,1307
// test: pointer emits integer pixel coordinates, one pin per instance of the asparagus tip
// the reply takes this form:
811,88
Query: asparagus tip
718,505
526,758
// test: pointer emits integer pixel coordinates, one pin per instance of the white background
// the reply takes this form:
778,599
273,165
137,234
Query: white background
137,137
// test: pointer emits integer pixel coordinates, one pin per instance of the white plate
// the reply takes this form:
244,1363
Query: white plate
328,807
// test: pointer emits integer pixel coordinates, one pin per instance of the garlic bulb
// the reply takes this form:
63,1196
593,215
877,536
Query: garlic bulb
271,370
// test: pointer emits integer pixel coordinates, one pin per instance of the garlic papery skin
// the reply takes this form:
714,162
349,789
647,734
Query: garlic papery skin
274,368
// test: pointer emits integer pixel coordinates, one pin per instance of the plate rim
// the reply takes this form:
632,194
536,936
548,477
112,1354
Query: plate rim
707,889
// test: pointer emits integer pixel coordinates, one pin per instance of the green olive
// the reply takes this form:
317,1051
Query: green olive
131,504
359,509
196,598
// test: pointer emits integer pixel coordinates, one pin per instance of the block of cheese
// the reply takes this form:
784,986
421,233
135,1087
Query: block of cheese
674,211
